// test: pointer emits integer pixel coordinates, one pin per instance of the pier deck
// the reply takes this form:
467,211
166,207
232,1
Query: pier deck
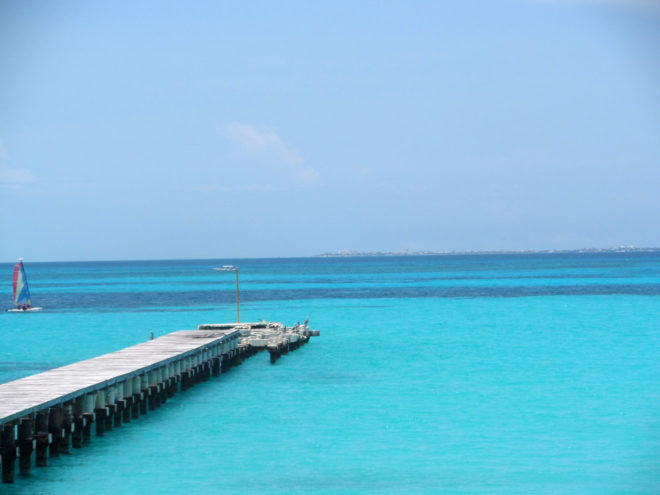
45,414
30,394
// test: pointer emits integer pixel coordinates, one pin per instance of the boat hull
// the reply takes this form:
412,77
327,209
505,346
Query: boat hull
29,310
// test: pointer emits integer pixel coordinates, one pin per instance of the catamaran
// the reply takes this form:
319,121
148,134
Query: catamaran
22,298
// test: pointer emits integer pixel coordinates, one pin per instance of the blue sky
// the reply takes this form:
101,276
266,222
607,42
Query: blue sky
142,130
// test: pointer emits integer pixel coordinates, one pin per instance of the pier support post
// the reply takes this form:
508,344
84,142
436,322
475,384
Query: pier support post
176,371
25,444
89,417
101,412
127,409
167,389
137,397
144,387
163,383
109,416
55,429
275,352
8,442
194,371
199,371
127,400
111,408
154,399
191,373
78,421
136,405
43,438
184,380
67,426
119,404
215,366
173,381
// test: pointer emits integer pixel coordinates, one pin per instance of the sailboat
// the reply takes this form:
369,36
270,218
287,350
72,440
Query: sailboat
22,298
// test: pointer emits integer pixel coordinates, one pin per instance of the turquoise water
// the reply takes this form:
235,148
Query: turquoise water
455,374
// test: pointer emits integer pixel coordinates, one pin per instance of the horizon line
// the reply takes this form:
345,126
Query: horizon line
362,254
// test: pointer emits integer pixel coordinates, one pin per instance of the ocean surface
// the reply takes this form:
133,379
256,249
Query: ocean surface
504,374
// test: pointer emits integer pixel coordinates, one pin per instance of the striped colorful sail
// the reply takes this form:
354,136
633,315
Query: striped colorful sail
21,290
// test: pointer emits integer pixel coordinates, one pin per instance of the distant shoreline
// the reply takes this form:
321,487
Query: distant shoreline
405,252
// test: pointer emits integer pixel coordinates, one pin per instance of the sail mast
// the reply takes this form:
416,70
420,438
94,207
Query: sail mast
27,287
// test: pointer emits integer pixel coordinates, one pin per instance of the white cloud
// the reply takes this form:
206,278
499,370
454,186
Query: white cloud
266,145
262,143
15,175
211,188
9,175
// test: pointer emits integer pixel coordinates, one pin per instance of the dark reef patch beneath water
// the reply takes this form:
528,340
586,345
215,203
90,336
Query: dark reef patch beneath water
155,300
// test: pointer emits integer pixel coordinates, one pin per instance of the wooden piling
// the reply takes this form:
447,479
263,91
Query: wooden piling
154,401
8,442
43,438
162,384
67,426
127,400
144,389
25,444
119,404
137,397
89,417
110,408
78,423
100,413
185,376
55,429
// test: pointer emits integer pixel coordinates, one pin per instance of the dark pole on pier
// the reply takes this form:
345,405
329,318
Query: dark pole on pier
238,312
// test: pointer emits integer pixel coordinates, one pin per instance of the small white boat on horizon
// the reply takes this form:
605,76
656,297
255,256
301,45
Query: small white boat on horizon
224,268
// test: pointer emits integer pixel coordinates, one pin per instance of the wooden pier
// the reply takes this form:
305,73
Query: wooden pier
46,414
